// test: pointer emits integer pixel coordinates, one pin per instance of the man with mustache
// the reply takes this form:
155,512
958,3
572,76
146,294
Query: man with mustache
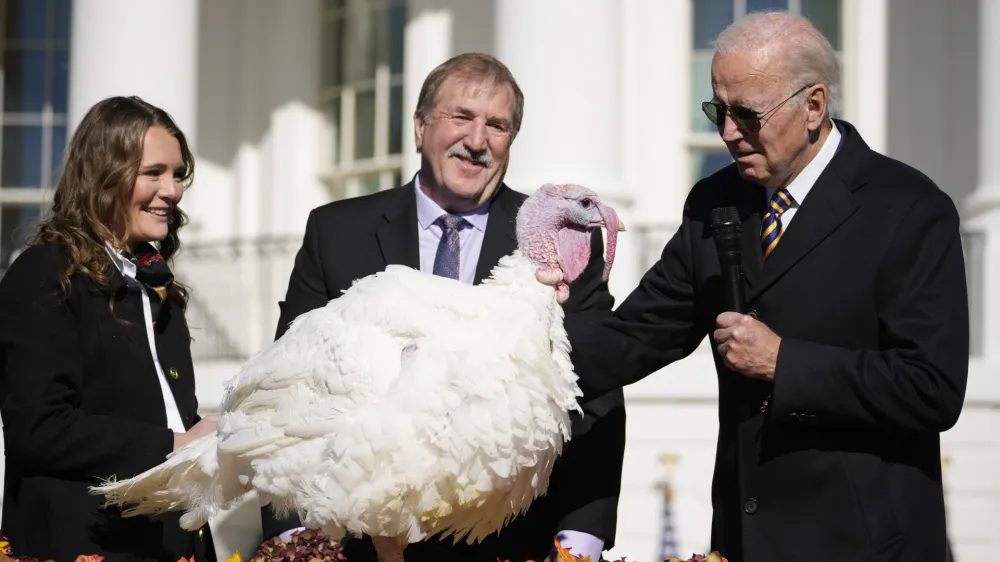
456,219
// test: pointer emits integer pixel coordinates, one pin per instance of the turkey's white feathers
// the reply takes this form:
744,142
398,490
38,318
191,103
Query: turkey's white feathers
412,405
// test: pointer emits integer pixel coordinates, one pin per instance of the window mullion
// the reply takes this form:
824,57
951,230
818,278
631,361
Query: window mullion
347,120
382,79
739,9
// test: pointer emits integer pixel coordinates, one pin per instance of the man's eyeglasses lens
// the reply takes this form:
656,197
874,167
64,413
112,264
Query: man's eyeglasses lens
745,118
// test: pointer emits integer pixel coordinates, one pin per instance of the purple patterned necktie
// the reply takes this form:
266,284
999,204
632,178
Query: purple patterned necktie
772,229
447,260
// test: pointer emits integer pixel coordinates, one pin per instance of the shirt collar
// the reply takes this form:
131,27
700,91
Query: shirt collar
802,183
126,267
428,211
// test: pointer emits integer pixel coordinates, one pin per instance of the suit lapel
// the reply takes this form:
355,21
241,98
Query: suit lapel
828,205
751,208
397,238
500,238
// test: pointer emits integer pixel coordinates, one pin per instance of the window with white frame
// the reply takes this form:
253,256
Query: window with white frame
708,153
35,75
362,92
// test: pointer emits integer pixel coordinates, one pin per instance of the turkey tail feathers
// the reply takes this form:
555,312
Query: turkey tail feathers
186,480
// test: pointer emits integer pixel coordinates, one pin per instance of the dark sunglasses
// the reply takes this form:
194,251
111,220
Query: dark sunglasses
744,117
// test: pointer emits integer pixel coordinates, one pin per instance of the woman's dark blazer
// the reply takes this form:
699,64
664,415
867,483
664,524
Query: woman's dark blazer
81,402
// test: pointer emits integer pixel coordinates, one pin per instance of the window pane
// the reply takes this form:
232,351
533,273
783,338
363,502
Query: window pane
332,72
25,19
60,80
396,120
710,18
707,162
24,81
369,184
757,5
58,147
16,225
63,14
397,23
701,91
825,15
22,156
365,42
379,23
364,125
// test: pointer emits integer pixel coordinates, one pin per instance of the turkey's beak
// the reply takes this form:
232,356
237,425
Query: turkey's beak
621,225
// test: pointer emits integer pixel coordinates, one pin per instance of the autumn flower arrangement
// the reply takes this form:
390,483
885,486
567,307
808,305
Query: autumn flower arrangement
306,546
302,546
7,555
314,546
564,556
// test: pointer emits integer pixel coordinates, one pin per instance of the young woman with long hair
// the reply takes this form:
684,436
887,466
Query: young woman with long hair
96,375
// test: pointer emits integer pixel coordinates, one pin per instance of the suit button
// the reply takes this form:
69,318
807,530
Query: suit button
201,534
753,314
173,373
750,506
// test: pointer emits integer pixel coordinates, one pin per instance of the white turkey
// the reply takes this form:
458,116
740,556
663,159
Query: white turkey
412,405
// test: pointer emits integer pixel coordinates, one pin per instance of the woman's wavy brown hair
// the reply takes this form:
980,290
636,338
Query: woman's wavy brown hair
94,192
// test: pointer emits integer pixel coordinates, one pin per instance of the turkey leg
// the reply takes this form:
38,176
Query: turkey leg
388,549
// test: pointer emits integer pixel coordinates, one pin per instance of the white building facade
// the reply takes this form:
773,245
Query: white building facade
290,104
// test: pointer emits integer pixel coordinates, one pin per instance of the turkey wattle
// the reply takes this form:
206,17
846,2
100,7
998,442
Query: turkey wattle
410,406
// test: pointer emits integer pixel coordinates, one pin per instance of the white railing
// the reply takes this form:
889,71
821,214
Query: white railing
235,288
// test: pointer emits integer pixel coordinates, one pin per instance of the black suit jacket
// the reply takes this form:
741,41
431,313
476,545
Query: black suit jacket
867,291
81,402
350,239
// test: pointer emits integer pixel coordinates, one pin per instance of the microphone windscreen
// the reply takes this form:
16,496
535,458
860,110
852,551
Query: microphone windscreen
725,216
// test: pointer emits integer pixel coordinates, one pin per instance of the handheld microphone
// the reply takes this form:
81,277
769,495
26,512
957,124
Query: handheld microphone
728,244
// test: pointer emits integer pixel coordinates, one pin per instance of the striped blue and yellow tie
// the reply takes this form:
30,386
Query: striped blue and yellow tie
772,229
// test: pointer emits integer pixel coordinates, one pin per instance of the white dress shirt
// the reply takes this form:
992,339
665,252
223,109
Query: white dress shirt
127,269
470,239
802,183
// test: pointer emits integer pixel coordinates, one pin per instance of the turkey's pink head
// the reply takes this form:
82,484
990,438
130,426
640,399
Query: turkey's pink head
554,226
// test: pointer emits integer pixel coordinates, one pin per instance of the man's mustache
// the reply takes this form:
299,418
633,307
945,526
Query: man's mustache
483,158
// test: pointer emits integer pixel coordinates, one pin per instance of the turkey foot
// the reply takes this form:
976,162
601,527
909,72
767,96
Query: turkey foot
388,549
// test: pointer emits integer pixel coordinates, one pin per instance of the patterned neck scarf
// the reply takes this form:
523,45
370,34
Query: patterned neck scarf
152,271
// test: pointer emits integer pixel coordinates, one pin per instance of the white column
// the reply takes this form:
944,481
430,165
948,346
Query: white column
567,57
865,69
427,42
148,49
973,488
987,194
982,208
656,107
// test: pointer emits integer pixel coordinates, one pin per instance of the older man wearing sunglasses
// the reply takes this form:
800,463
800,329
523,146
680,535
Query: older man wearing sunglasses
848,356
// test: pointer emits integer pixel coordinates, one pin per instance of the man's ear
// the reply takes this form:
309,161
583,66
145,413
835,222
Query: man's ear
817,101
418,130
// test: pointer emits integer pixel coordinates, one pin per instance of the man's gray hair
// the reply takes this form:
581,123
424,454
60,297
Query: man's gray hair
809,58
